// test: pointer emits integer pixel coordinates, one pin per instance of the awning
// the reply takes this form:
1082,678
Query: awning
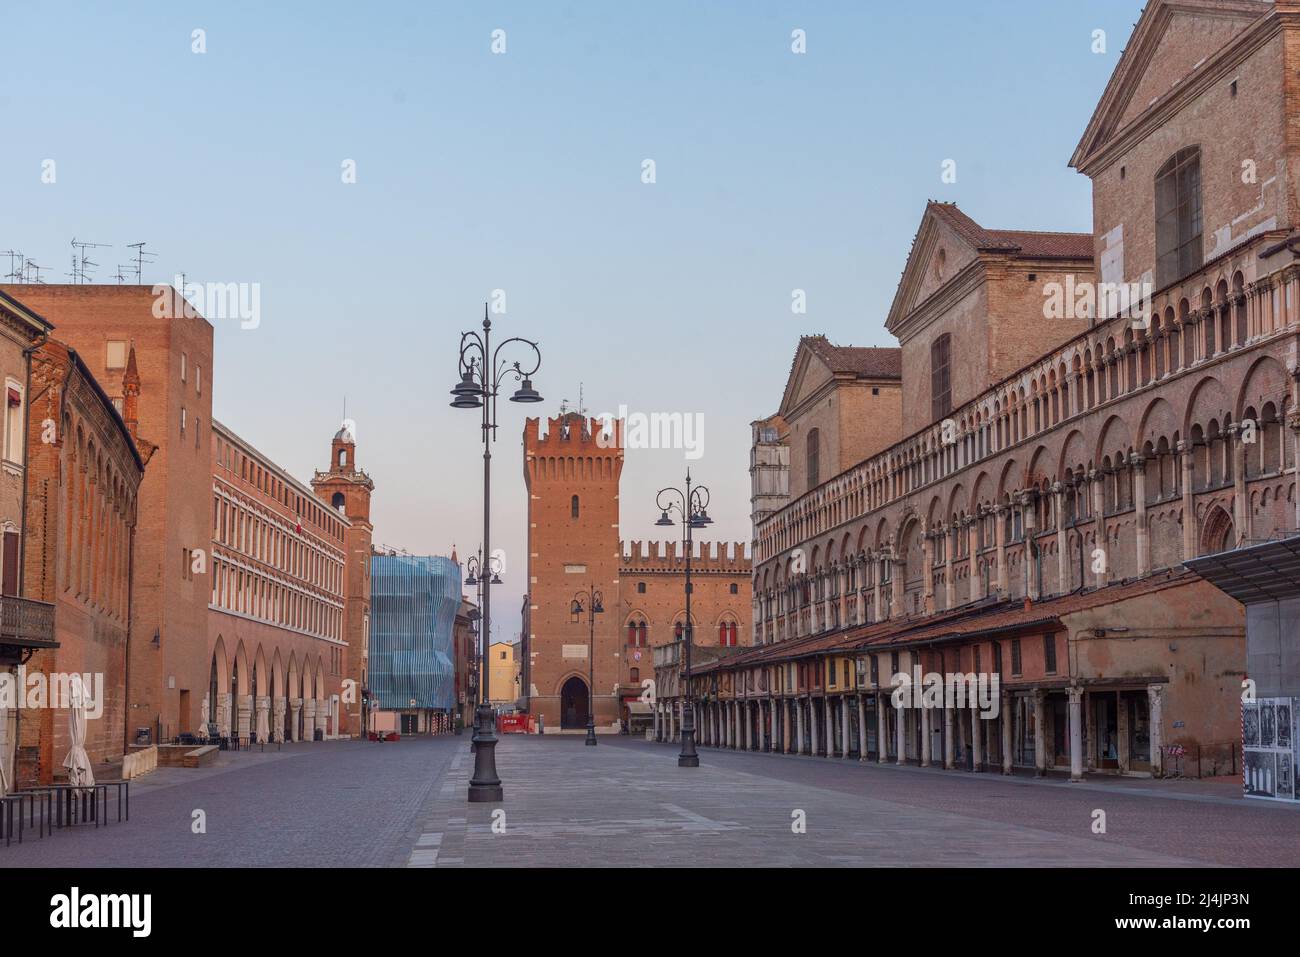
1269,571
638,708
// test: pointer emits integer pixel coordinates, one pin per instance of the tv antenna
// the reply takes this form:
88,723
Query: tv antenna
16,260
119,275
32,272
81,262
141,257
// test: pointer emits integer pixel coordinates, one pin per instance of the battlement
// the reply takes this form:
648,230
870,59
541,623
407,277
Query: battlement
731,557
571,432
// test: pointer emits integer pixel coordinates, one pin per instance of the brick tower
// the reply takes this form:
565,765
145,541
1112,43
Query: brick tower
572,476
347,488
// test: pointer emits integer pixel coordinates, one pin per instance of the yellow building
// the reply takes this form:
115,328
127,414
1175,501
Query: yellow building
503,678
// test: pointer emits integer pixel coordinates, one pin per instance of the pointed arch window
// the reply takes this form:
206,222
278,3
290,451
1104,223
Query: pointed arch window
573,507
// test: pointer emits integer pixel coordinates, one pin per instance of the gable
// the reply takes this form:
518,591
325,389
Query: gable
1171,41
938,253
809,375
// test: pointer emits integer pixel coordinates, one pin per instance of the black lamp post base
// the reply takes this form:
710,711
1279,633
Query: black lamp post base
486,794
688,760
591,738
485,785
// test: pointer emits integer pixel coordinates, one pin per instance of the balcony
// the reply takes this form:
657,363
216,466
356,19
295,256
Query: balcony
25,626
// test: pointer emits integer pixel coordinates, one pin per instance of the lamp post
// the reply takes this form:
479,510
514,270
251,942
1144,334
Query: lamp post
481,373
594,599
474,578
692,505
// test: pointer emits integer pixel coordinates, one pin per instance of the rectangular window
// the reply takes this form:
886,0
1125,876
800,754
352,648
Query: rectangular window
1178,216
1049,653
1015,656
115,354
15,447
940,377
184,362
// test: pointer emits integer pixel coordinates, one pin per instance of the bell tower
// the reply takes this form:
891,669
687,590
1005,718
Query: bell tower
347,489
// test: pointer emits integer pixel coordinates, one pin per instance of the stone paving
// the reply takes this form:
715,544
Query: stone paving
626,803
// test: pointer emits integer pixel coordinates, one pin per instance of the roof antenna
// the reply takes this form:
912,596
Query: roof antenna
141,257
81,262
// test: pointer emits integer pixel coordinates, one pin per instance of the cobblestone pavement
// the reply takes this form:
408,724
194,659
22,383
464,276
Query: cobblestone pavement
324,804
626,803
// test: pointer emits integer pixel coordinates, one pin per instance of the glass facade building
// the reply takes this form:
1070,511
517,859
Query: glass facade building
414,600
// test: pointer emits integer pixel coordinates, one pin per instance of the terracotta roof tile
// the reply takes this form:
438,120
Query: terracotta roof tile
868,361
1025,243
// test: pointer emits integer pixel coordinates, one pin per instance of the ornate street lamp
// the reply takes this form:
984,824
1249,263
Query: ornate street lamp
481,372
594,598
692,506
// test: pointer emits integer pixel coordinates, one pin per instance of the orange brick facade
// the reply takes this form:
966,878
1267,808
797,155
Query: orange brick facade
174,361
83,473
572,475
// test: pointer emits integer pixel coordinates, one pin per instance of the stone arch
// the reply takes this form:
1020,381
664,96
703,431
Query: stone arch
1217,533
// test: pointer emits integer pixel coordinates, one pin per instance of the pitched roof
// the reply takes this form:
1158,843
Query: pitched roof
1027,244
872,362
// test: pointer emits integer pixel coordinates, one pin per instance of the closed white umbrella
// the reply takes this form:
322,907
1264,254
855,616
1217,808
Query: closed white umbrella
78,761
263,725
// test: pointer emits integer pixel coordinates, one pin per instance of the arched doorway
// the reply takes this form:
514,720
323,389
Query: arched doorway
573,703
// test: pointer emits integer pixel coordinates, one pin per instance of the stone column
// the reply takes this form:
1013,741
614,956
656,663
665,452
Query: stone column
1040,734
814,737
862,728
949,743
1076,733
1138,464
976,740
882,728
846,726
1155,701
927,570
295,709
799,732
278,708
1062,540
949,583
1190,531
828,722
1000,536
875,580
787,727
1240,513
973,545
243,715
1006,732
897,583
774,737
1099,518
925,736
901,729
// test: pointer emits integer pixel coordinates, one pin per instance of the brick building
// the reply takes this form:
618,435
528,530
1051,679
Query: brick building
168,662
25,624
1033,521
277,640
83,473
572,475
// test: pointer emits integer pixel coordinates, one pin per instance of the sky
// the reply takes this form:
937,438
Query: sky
520,176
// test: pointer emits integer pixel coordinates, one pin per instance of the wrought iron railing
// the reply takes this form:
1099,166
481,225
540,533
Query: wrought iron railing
25,618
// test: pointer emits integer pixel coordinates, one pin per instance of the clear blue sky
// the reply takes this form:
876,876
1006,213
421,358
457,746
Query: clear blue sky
521,172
